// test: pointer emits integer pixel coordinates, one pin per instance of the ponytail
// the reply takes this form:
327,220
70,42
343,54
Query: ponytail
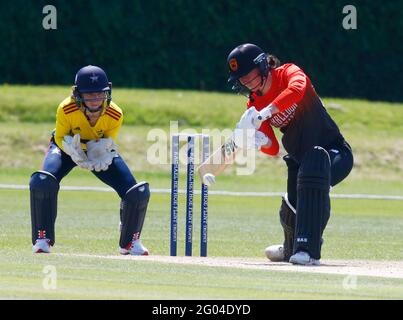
273,61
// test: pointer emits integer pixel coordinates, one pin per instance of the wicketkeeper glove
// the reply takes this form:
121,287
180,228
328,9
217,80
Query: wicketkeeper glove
101,153
72,146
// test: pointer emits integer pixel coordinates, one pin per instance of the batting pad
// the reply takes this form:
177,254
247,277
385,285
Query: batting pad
313,201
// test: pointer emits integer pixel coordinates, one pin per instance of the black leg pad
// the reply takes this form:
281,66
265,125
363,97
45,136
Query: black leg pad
133,211
44,189
287,220
313,202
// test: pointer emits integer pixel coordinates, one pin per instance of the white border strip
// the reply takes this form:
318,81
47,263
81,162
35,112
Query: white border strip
217,192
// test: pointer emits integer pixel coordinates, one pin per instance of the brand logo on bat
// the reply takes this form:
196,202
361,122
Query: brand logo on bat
228,149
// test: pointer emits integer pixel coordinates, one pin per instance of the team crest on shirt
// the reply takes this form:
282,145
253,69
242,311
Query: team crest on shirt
233,64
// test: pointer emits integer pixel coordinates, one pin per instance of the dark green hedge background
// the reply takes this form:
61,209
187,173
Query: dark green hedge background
184,44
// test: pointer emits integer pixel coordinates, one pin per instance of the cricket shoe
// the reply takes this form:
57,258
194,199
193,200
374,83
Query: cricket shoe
135,248
303,258
41,246
275,253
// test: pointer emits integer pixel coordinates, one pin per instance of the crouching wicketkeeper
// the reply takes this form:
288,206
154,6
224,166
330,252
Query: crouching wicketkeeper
87,123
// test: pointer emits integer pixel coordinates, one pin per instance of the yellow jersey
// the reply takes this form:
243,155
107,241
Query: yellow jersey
70,120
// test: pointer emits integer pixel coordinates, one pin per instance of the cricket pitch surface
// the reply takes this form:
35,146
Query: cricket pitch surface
370,268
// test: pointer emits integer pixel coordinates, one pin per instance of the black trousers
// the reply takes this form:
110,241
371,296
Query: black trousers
341,160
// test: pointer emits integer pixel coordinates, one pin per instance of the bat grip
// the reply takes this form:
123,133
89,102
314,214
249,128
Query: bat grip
265,113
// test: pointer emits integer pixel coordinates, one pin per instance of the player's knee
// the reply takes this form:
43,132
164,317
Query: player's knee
43,181
290,162
138,193
314,171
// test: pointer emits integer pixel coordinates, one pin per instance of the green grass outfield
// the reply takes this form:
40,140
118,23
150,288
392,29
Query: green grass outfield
86,254
88,224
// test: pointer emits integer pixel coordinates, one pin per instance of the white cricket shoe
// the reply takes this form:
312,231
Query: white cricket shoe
41,246
275,253
303,258
135,248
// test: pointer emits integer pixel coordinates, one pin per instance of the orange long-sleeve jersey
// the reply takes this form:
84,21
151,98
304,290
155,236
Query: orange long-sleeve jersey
291,91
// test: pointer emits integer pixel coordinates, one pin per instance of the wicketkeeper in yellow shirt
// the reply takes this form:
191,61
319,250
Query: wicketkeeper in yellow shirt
87,125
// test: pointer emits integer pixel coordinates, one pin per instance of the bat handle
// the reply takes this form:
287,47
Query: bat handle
265,113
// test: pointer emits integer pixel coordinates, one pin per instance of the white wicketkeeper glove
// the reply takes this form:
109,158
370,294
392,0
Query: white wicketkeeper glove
72,146
101,153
